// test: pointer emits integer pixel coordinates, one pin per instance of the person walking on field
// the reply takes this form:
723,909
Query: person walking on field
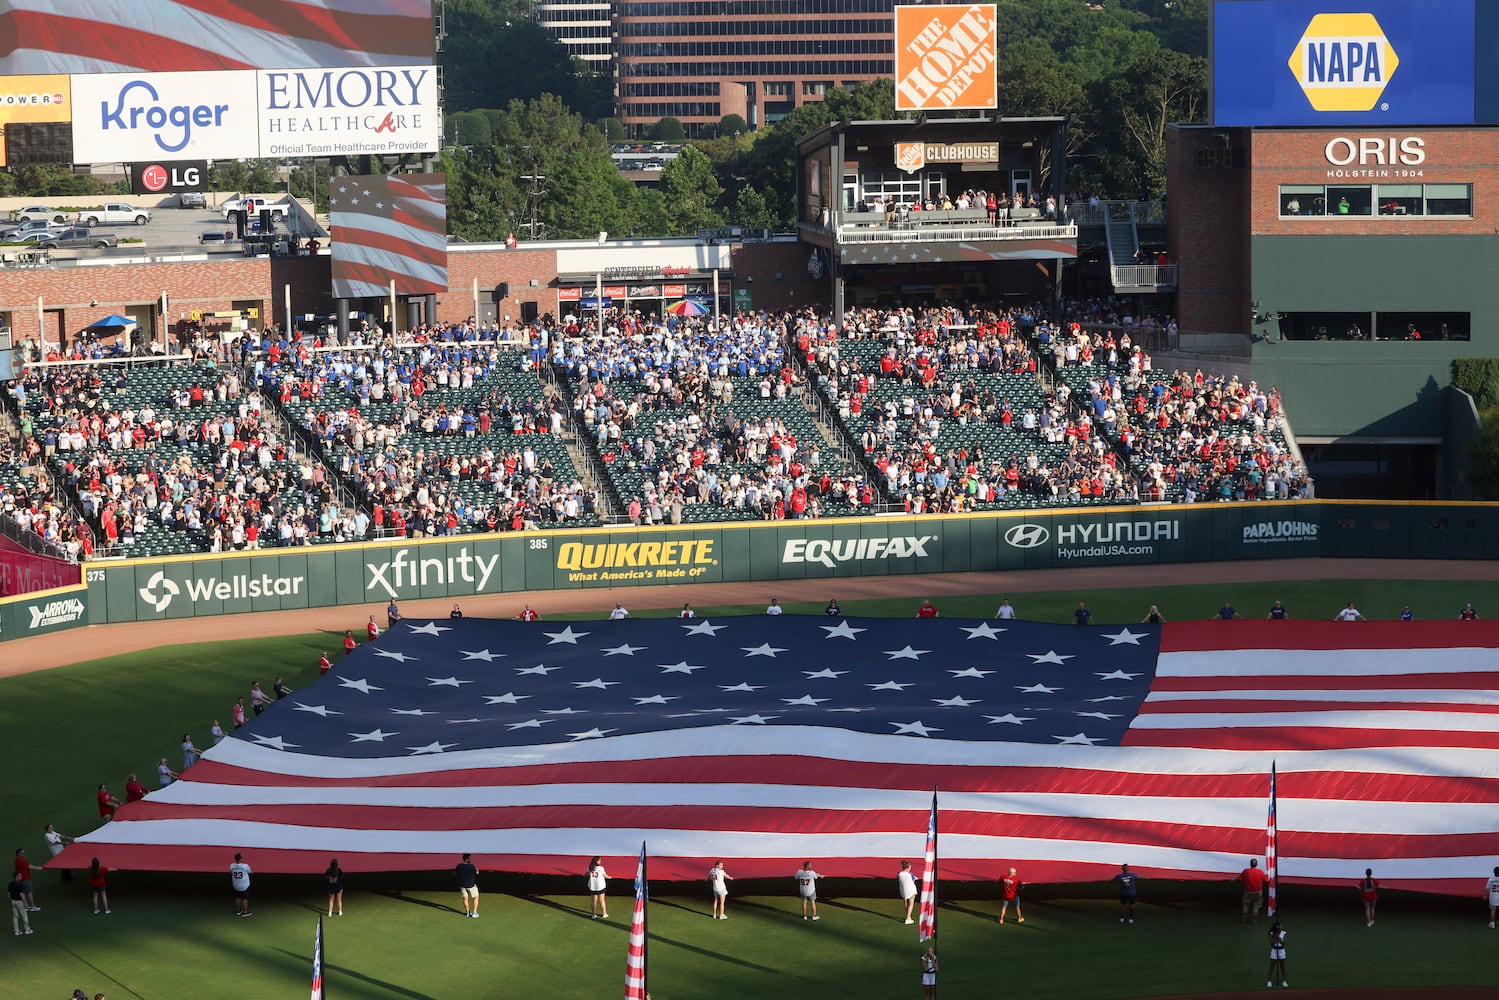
1277,956
806,887
598,885
96,882
1368,887
334,876
929,972
239,881
905,881
468,886
718,880
1491,892
1009,893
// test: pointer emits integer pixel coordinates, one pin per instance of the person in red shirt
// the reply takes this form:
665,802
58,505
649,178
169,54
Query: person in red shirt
371,630
237,713
1253,881
134,790
23,876
927,610
349,644
528,614
1368,887
107,803
324,664
1009,892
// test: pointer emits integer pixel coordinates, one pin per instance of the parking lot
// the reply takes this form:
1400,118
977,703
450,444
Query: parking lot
175,231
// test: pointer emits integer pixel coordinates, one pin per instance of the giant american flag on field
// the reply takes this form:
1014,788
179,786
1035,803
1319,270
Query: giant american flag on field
389,228
163,36
1062,750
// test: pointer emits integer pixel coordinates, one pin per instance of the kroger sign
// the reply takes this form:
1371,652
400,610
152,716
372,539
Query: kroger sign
145,116
243,114
1300,62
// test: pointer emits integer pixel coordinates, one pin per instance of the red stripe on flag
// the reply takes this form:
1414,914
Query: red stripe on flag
955,823
1315,635
390,33
1473,681
832,773
1306,738
110,43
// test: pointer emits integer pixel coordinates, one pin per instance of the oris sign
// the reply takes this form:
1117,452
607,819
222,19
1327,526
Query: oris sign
1376,151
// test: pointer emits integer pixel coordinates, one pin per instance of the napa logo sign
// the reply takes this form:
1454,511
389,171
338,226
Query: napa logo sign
1343,62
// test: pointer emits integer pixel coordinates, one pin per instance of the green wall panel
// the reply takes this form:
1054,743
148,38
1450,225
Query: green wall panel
370,574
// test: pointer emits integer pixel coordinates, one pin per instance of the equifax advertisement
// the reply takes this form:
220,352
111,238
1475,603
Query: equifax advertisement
1369,63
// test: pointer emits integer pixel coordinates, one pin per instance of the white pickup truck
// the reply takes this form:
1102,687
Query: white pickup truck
114,213
254,206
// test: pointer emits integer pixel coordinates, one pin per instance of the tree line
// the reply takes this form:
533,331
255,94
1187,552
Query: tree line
529,128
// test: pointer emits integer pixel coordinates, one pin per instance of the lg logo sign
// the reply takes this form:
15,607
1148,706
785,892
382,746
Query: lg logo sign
1027,536
167,177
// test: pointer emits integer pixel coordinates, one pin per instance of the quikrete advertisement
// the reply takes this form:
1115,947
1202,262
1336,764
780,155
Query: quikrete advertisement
633,562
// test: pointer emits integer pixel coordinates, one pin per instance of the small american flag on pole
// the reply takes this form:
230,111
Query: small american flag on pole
317,963
635,955
1270,851
927,925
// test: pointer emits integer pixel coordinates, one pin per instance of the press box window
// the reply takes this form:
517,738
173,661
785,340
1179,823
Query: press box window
1347,201
1449,199
1400,199
1301,199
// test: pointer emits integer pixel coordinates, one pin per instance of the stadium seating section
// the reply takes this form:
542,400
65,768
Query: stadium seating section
933,412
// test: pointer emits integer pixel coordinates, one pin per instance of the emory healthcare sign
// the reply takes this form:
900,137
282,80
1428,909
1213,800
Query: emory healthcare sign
945,57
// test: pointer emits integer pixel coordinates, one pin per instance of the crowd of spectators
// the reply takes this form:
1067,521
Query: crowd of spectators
1191,437
443,429
438,436
927,394
691,412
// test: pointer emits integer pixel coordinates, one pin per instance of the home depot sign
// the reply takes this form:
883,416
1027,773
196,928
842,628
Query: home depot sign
912,156
945,57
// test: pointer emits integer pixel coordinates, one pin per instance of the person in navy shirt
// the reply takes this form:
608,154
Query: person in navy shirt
1082,616
1126,880
1227,612
1277,613
1406,614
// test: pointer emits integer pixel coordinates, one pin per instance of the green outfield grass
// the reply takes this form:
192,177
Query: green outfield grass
174,936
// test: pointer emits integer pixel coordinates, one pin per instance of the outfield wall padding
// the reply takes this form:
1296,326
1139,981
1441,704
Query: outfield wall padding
466,565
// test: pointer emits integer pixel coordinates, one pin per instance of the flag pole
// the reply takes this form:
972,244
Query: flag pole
318,993
635,965
927,926
1272,847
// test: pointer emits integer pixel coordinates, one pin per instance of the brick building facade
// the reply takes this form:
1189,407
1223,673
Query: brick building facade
62,299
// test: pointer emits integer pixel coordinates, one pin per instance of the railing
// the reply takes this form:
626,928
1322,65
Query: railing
1144,276
1151,213
611,505
952,233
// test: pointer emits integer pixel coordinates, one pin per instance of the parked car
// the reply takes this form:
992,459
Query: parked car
254,206
114,213
192,199
44,212
77,237
216,237
35,238
15,233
